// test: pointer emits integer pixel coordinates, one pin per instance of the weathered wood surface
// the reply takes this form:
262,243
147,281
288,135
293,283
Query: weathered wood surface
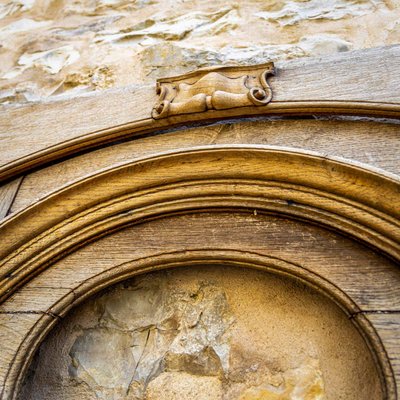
363,275
376,145
247,181
366,200
371,280
361,82
13,328
368,75
387,325
356,201
7,195
26,132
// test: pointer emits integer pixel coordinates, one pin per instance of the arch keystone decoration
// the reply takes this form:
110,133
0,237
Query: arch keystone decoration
216,88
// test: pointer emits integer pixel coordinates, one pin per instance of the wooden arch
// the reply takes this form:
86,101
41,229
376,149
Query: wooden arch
274,180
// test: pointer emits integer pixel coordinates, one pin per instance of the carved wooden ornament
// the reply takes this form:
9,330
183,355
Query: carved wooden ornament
215,88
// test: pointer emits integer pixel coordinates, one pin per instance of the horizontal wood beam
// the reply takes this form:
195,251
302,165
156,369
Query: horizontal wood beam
362,82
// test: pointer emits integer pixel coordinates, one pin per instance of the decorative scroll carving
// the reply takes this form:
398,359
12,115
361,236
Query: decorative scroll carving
216,88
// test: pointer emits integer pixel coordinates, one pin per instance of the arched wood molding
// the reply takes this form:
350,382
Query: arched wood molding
353,200
37,331
355,83
357,202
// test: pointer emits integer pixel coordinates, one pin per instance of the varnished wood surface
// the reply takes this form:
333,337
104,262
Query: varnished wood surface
361,83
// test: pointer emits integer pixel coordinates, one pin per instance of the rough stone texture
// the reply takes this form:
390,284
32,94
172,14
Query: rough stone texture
66,47
205,333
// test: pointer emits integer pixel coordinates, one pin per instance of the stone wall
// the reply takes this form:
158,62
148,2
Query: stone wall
205,333
67,47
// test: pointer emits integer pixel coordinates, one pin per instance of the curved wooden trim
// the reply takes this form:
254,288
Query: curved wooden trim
363,82
134,128
355,201
193,257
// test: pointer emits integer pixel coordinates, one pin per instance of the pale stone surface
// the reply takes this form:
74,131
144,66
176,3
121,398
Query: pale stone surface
304,382
166,330
102,358
177,386
205,333
292,12
53,47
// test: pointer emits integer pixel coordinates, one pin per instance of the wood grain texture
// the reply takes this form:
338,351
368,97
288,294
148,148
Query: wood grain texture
26,132
254,180
387,326
367,75
360,83
14,329
355,201
361,273
7,195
